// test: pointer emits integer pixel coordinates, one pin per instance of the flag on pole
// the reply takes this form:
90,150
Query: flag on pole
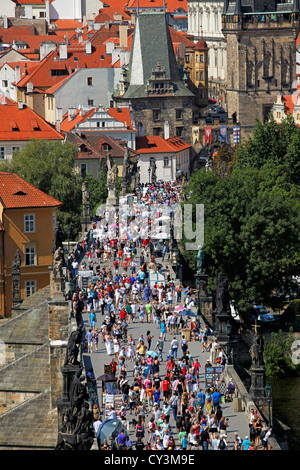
223,133
236,134
207,135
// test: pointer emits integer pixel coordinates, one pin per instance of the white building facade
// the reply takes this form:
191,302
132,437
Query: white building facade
205,18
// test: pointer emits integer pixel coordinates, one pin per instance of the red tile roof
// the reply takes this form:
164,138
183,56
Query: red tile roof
16,33
107,14
15,193
157,144
21,125
67,126
42,77
119,114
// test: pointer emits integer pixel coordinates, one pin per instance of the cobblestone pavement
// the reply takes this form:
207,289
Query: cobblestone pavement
238,421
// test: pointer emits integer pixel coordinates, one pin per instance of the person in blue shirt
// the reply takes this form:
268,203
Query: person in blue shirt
246,443
146,293
201,397
216,397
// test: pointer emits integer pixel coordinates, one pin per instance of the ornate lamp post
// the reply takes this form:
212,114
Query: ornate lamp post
268,394
198,296
228,328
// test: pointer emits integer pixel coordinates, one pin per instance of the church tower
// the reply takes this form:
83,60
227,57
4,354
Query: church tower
156,90
261,56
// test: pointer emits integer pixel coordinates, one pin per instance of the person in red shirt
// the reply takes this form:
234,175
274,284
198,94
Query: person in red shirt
166,389
122,314
170,366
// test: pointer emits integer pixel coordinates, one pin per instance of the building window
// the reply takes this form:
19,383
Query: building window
152,162
83,169
42,14
179,131
187,58
16,149
5,83
156,114
90,81
30,256
201,58
30,288
2,153
90,102
156,130
201,75
166,161
29,223
179,113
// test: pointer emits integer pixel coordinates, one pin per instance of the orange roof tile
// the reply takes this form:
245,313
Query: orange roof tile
119,114
122,115
28,124
45,75
67,126
107,14
15,193
157,144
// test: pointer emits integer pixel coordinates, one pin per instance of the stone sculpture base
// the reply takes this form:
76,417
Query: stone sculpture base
258,379
67,441
112,199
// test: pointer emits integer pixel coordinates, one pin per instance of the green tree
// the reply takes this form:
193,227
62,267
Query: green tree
49,166
277,356
98,190
252,215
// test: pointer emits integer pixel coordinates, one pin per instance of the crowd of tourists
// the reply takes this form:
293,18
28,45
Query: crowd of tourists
165,383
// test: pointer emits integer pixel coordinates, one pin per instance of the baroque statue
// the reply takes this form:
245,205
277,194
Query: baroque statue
73,346
112,172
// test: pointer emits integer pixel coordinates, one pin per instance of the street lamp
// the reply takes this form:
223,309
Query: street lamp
228,328
68,230
268,393
198,294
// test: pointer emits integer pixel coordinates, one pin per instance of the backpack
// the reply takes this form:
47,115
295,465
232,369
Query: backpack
221,445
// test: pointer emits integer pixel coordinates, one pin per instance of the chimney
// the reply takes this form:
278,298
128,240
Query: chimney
29,87
17,73
5,22
166,130
20,104
123,35
58,126
59,114
88,48
63,51
106,25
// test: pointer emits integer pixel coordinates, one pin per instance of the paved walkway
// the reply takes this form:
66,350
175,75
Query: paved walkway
238,421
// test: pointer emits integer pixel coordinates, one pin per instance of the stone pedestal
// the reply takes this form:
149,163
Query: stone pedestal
112,199
258,381
57,286
63,403
205,300
221,333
